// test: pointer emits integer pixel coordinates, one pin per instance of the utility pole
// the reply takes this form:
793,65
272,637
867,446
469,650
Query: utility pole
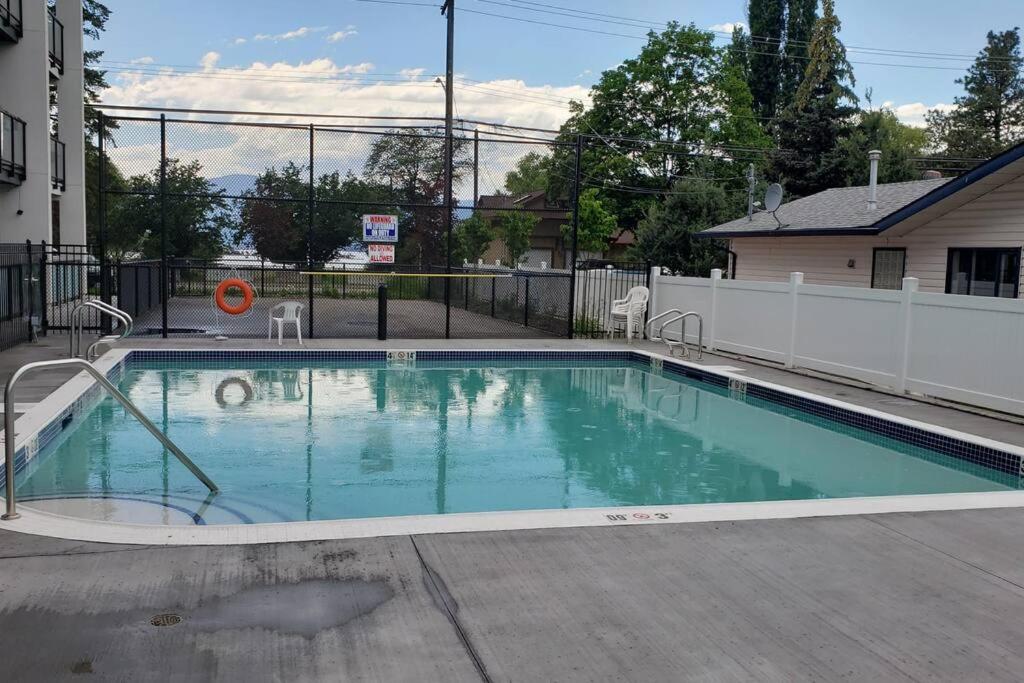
751,186
448,10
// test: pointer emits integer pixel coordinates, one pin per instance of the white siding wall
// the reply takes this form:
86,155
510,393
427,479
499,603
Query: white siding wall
993,220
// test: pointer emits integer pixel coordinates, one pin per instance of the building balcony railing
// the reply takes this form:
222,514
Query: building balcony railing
12,149
10,20
58,165
55,30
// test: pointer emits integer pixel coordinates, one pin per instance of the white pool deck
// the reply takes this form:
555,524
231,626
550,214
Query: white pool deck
834,594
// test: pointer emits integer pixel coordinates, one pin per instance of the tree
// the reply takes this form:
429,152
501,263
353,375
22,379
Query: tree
531,174
411,165
810,130
473,236
516,228
94,21
275,214
596,224
682,99
197,218
766,19
665,236
989,117
800,18
899,143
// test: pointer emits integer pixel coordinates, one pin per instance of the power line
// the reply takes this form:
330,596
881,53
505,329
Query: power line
651,24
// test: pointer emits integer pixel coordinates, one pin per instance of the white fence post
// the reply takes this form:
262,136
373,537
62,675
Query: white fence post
652,307
910,285
795,280
716,279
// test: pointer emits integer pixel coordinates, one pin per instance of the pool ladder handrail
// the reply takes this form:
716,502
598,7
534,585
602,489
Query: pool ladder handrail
681,344
10,436
651,321
77,327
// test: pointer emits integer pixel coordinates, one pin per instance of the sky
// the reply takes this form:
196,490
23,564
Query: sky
346,56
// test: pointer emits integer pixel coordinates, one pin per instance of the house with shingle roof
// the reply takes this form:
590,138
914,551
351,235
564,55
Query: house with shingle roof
960,235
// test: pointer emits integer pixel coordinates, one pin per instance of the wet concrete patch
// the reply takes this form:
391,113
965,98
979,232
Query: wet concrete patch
305,608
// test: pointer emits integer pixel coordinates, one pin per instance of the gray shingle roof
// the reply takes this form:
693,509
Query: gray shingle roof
840,209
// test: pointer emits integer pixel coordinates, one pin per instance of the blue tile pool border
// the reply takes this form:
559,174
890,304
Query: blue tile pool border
753,393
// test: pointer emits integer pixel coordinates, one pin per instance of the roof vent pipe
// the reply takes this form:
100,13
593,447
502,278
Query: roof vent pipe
874,156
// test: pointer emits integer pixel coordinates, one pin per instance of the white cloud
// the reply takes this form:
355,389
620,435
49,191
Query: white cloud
339,36
913,113
239,41
728,26
142,60
300,32
209,60
412,74
322,86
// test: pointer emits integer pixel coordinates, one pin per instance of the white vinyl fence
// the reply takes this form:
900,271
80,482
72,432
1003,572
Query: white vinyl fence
962,348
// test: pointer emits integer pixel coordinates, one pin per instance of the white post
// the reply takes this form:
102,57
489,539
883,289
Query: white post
795,280
716,279
652,306
910,285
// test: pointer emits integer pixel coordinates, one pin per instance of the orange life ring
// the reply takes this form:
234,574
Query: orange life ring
222,290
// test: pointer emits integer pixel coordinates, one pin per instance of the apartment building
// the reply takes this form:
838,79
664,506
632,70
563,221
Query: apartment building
42,154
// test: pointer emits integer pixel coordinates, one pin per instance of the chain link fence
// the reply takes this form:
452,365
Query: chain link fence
185,205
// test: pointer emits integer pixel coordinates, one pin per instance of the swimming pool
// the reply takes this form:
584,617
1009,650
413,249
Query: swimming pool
302,436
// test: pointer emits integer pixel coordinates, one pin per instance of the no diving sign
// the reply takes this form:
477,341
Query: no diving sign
382,253
380,228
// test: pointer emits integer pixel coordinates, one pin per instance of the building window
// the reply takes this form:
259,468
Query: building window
983,272
888,268
55,221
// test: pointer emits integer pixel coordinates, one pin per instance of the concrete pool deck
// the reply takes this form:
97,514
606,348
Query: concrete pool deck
915,596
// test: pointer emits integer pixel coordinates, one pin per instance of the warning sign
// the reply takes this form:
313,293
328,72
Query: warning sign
380,228
382,253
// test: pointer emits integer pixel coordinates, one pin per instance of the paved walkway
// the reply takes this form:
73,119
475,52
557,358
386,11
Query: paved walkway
345,319
914,597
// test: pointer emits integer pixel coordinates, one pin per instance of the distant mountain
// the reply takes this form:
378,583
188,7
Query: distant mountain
235,184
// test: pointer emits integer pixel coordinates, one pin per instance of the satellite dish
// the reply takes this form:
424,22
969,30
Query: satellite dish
773,197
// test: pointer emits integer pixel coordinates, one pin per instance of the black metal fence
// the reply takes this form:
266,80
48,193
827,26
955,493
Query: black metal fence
20,292
186,204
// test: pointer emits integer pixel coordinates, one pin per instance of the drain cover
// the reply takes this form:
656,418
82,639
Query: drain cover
166,620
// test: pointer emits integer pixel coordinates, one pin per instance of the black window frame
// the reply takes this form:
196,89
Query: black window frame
1000,250
875,251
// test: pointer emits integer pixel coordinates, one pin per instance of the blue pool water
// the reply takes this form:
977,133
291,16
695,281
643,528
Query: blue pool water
320,440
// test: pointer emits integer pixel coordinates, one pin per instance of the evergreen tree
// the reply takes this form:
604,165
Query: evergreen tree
94,21
810,131
990,116
666,234
800,18
767,20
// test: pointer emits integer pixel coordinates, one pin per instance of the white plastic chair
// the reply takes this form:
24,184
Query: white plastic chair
291,312
630,310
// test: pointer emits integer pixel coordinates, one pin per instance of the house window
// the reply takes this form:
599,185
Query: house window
983,272
888,268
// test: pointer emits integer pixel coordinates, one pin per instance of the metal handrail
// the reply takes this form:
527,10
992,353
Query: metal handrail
658,317
75,340
9,434
682,334
76,332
